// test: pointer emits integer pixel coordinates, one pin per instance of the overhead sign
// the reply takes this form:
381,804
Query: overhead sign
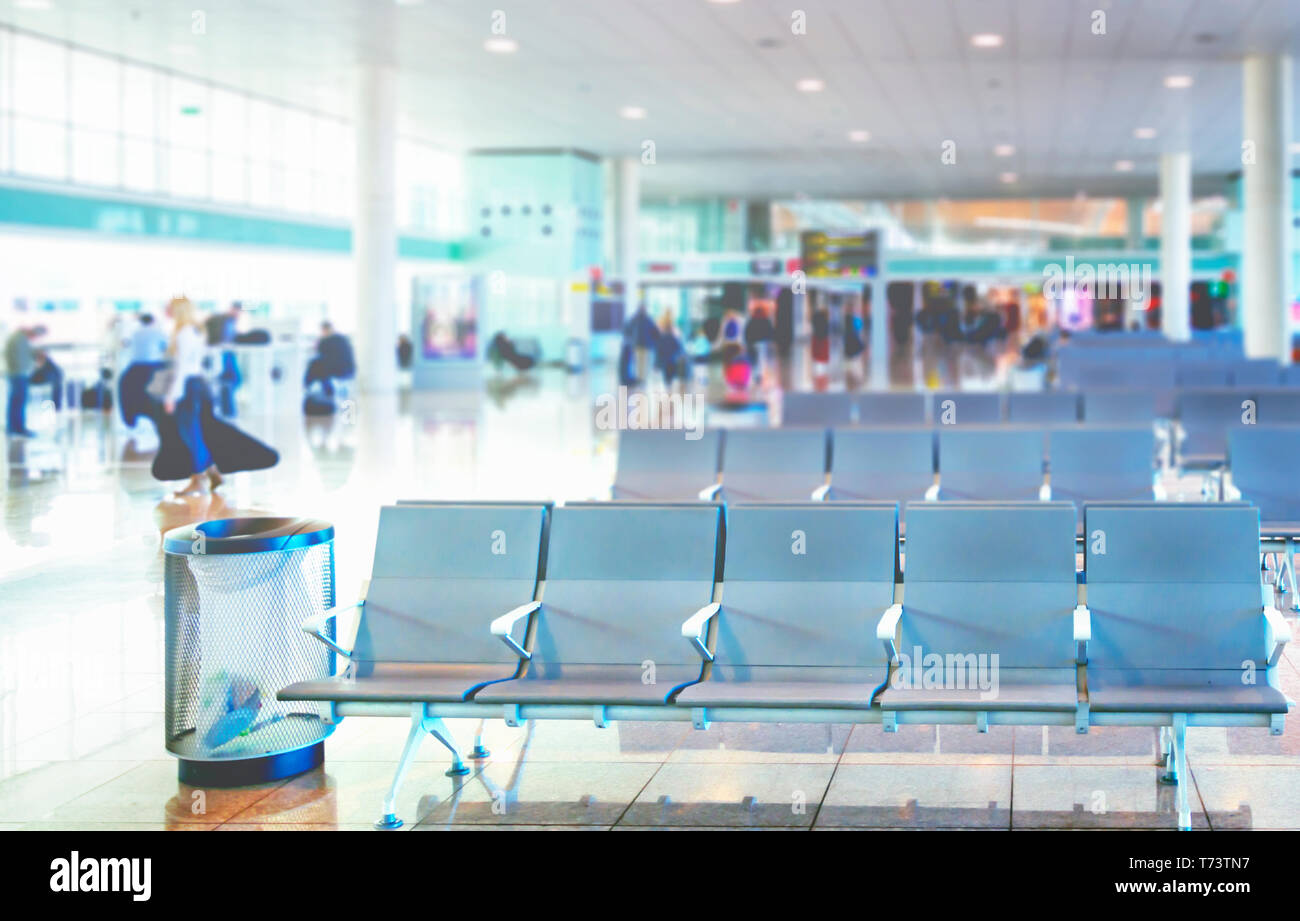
829,254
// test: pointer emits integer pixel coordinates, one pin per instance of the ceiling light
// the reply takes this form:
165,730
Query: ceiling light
1178,81
633,112
859,136
1144,134
1004,150
1123,166
810,85
1008,178
501,45
986,40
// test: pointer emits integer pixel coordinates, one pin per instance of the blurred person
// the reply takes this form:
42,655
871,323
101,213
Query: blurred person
222,329
701,350
147,353
334,361
645,336
759,333
20,361
821,342
670,353
193,443
47,372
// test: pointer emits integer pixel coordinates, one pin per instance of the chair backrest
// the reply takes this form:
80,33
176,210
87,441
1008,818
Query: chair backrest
1204,374
816,408
793,450
668,451
1207,415
1119,406
1090,463
962,408
1173,585
1053,407
990,463
1277,406
905,449
1262,459
1290,376
1254,372
620,580
984,578
805,584
442,572
891,408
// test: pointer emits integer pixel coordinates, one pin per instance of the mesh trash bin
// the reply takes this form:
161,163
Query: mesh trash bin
237,591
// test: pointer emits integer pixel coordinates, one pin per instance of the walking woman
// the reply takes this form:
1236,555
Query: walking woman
192,441
188,397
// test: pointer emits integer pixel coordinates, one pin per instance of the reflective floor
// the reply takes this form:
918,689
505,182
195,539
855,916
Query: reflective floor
81,653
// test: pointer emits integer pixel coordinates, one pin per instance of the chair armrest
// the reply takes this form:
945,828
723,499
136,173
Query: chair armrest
819,494
314,626
707,493
1082,633
887,627
693,629
1045,493
1279,633
932,492
504,626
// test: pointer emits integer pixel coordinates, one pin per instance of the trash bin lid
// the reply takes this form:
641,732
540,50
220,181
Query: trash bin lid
248,535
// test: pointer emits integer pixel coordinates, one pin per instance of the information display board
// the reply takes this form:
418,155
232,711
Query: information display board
832,254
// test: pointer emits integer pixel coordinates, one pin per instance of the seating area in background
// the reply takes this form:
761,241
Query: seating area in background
811,612
895,464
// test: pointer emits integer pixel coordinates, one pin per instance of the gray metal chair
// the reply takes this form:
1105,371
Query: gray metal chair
985,633
816,408
805,586
1178,631
665,465
956,407
1262,465
881,464
1090,464
443,572
621,579
781,465
990,463
902,408
1053,407
1119,407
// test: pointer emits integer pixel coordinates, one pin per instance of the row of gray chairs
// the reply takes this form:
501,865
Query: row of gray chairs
893,464
967,408
805,612
1206,416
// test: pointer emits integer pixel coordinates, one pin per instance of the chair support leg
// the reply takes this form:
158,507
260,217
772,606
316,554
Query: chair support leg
479,752
438,729
389,819
1291,547
1180,761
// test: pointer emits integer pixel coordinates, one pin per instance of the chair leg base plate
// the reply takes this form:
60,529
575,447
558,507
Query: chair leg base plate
480,753
457,770
388,823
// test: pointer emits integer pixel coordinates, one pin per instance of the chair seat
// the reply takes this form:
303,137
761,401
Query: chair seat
774,487
1279,529
832,688
592,684
1180,691
401,683
1038,691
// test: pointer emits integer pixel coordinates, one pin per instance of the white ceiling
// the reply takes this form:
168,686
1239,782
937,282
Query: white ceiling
723,111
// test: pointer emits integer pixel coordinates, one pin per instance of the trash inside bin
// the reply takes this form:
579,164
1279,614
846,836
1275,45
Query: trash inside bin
237,591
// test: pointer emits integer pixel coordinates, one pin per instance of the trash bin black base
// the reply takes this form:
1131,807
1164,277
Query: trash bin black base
243,772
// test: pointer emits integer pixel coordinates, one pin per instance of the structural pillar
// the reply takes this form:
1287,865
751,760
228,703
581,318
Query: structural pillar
627,189
1266,207
1176,245
374,227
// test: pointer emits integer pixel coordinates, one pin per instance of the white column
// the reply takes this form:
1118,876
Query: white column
1175,245
374,227
628,209
1266,206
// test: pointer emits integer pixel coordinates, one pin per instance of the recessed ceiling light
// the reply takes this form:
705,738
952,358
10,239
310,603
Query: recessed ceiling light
1144,134
1008,178
1123,166
986,40
1004,150
859,136
1178,81
633,112
501,45
810,85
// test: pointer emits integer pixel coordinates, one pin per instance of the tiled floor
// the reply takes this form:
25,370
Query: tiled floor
81,683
